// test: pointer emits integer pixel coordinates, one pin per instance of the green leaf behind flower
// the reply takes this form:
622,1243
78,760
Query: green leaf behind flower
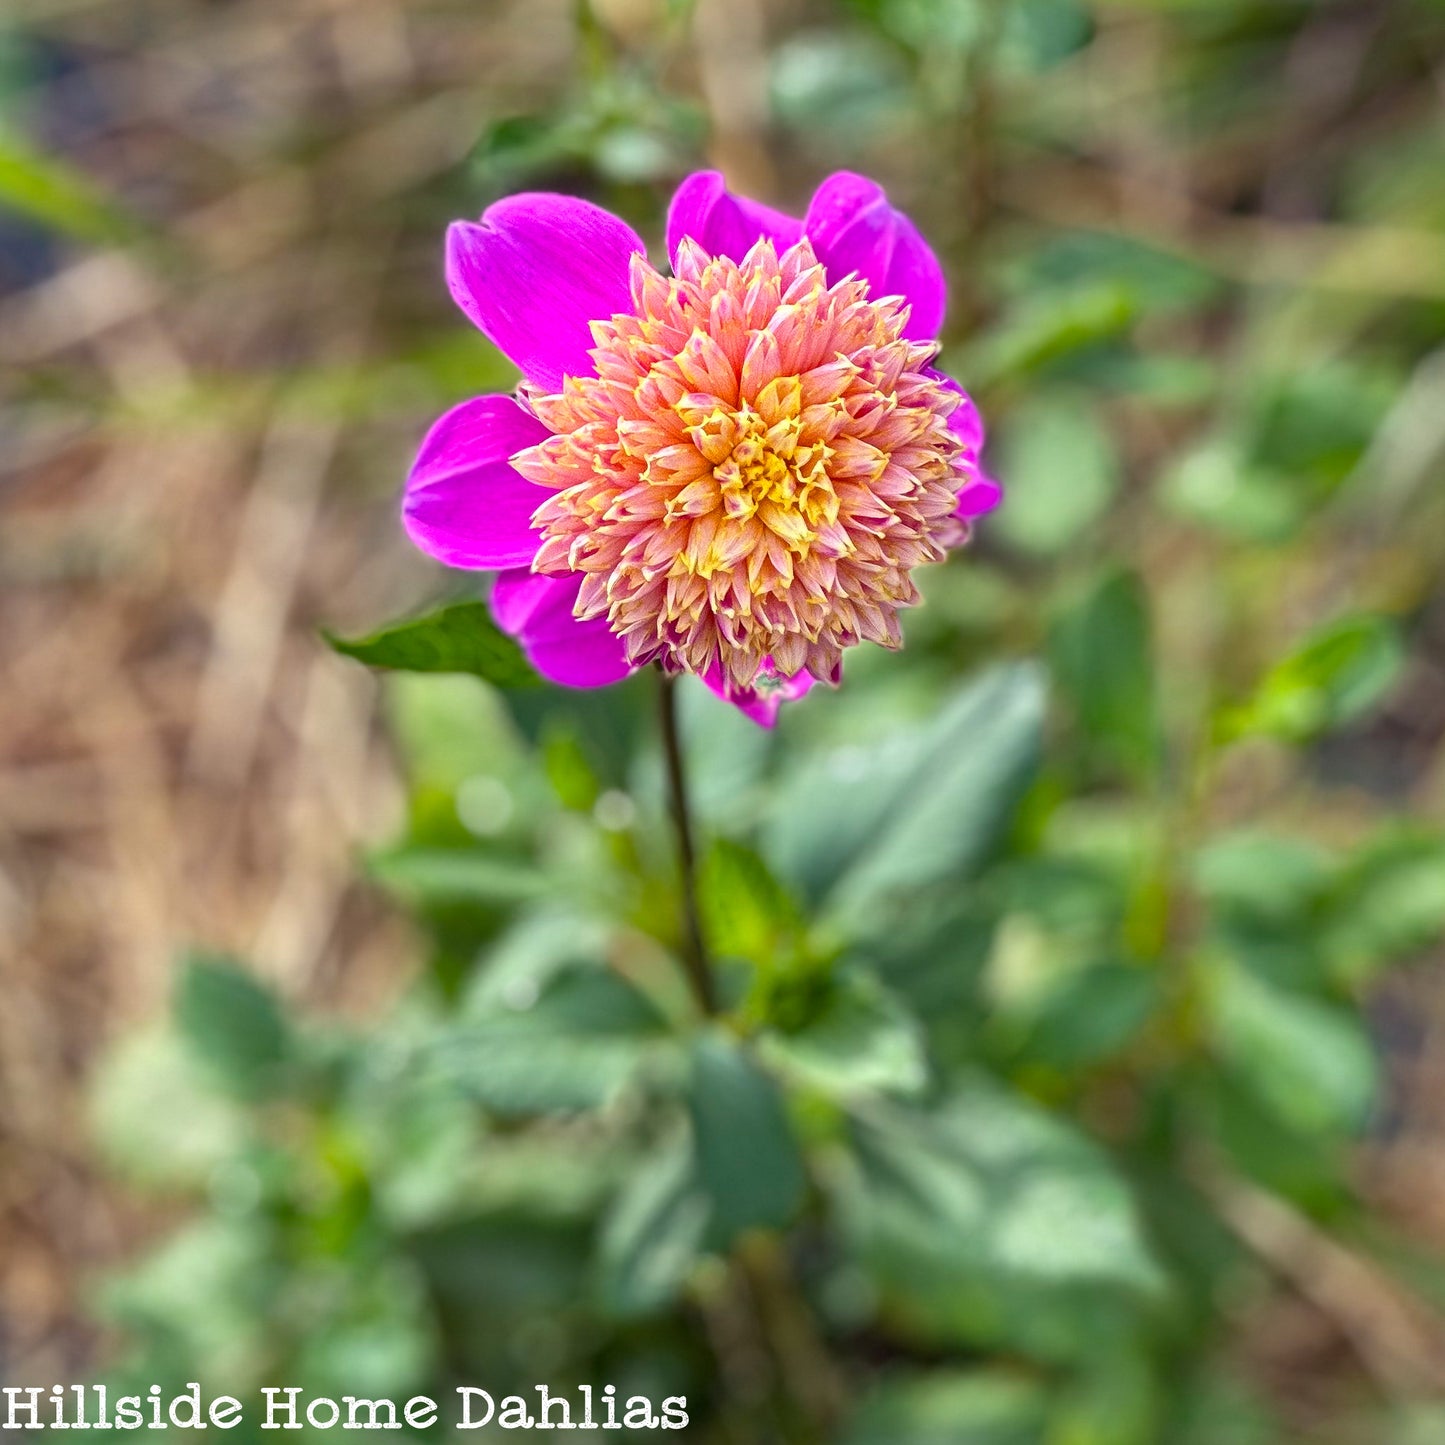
747,1157
943,1407
864,1039
233,1024
1102,658
459,638
984,1219
571,1046
861,824
653,1233
1308,1061
1340,673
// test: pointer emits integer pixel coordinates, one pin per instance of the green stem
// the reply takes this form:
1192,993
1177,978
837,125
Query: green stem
779,1317
694,950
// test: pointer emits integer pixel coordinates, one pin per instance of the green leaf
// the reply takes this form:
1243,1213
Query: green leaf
986,1220
572,1046
497,1274
459,638
1308,1167
948,1407
1262,876
1053,323
46,189
1103,661
745,911
1089,1014
379,1331
1389,907
1040,33
1161,281
845,84
204,1291
456,875
1216,485
451,729
653,1234
853,827
864,1040
540,945
518,146
928,25
1062,473
1309,1061
748,1161
233,1025
1312,424
1339,674
727,757
1114,1400
139,1129
1216,1406
935,956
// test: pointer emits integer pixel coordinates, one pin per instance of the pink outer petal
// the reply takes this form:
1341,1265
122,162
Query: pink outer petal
721,223
853,228
980,493
761,706
977,498
537,611
964,421
516,595
464,505
534,275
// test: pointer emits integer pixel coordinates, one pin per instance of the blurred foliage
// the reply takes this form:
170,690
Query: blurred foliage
43,188
1020,959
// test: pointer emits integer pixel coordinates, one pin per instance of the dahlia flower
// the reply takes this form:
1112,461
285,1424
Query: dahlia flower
732,470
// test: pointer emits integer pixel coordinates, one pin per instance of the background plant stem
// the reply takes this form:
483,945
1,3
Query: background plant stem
694,949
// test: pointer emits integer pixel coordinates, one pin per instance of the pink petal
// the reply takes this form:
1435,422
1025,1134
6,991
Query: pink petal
534,275
964,421
853,228
516,595
980,493
537,611
978,497
721,223
464,504
760,705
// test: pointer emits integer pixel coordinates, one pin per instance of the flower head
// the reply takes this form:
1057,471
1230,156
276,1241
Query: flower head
731,471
